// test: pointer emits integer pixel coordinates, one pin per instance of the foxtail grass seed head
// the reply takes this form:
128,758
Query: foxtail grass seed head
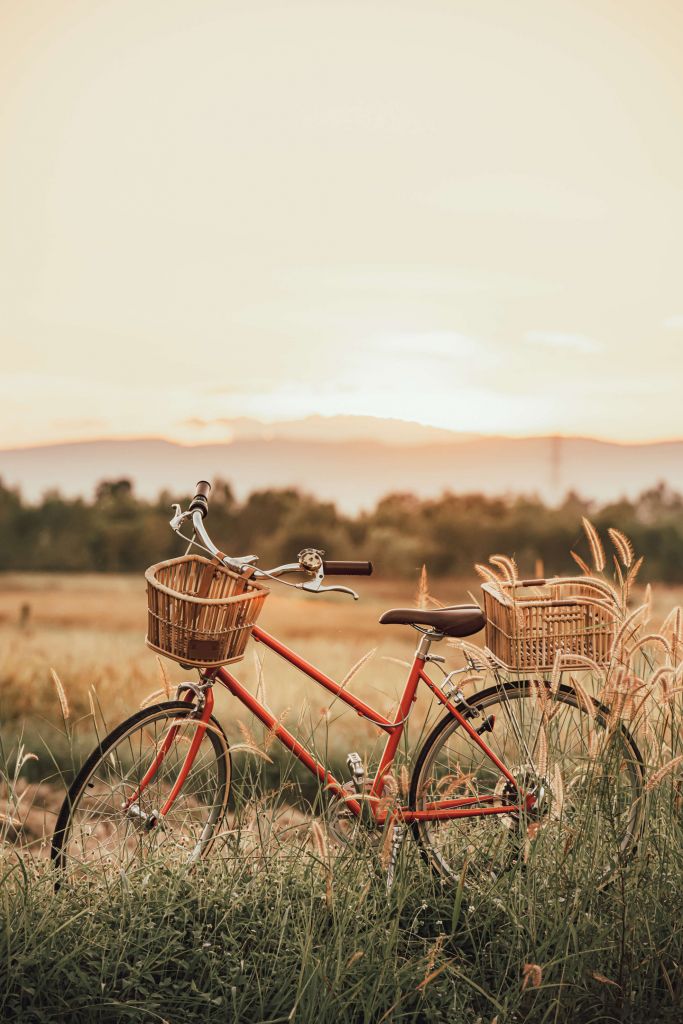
507,566
532,976
662,772
623,546
61,694
422,593
595,544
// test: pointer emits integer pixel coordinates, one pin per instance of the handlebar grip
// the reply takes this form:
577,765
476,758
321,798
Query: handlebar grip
347,568
201,497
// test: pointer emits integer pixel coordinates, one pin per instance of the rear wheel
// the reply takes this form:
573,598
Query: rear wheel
586,779
100,829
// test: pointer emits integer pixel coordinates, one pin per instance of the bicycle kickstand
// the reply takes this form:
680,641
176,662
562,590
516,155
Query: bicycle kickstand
398,835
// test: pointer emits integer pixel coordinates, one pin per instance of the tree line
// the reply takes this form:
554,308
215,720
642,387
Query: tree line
117,531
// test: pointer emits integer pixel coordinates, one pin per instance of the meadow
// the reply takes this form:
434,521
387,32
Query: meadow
275,929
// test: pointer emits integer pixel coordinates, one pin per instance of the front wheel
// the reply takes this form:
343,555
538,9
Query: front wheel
111,820
584,772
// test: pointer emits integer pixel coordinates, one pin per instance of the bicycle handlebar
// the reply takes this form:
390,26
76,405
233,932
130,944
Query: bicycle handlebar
198,510
200,502
347,568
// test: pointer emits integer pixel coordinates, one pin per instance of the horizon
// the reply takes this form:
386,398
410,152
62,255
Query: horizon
458,437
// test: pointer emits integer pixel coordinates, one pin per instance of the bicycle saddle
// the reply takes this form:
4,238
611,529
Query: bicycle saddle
460,620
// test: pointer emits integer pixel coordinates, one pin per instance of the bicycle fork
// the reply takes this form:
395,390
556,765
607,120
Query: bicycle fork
131,806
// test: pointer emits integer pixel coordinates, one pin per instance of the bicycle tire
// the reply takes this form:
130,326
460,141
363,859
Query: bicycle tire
424,832
103,754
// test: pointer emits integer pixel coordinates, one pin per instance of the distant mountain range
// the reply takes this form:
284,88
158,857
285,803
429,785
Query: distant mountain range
352,461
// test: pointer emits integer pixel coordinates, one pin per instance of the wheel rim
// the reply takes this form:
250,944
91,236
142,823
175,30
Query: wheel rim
588,781
105,831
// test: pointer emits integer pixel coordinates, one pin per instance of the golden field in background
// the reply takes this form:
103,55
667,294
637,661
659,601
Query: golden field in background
90,629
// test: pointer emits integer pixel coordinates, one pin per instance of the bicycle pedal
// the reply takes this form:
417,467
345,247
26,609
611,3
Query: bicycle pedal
354,763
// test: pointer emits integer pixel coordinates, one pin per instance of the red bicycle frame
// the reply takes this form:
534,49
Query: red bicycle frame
463,807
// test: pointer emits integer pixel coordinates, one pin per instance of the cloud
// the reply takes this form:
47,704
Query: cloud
674,323
559,339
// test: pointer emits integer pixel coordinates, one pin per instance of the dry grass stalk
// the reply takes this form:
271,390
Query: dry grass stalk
558,791
542,755
248,735
627,631
261,694
403,782
662,772
651,638
355,669
271,735
585,569
422,593
387,842
322,849
430,977
603,980
672,629
61,694
595,544
623,546
620,576
151,698
165,681
631,577
585,699
396,661
430,972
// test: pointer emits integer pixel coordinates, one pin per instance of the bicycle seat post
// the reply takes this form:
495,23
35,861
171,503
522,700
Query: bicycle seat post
426,640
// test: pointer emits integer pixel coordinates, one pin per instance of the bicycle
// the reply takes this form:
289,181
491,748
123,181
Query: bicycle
519,759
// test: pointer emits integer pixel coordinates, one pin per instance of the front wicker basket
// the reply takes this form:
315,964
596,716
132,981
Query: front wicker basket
199,612
529,621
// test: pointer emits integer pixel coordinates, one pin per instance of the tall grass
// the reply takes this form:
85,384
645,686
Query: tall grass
280,925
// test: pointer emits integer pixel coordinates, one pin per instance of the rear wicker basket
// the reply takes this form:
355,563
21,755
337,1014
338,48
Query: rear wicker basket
528,622
199,612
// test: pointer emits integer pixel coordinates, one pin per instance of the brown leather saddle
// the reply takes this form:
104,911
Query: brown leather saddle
459,620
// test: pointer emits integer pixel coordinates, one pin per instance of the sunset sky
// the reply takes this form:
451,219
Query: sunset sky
461,213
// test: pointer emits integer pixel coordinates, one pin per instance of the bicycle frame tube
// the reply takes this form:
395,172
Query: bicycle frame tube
440,810
464,807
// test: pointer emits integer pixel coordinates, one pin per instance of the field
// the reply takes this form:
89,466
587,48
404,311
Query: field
282,927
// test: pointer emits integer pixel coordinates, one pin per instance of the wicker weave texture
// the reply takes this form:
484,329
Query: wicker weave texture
199,612
528,622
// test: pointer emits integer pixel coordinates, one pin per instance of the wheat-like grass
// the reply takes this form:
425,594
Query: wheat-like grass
422,593
507,565
631,577
584,699
662,772
623,546
61,693
487,574
595,544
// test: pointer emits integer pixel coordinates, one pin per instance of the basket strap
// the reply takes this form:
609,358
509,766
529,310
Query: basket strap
209,573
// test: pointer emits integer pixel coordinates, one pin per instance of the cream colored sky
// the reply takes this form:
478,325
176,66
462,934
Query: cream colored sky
468,214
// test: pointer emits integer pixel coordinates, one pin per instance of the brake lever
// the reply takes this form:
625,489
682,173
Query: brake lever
311,560
178,518
315,587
